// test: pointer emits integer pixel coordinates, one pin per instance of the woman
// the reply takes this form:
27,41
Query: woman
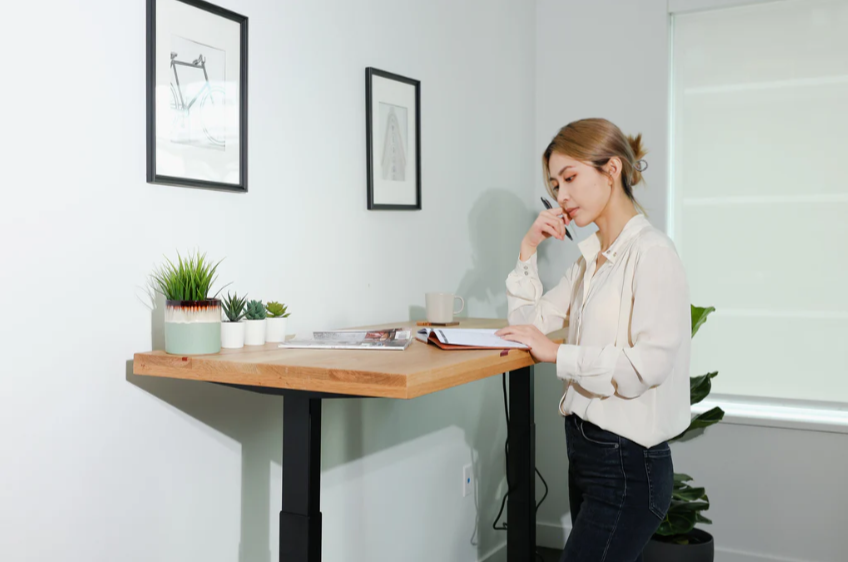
626,361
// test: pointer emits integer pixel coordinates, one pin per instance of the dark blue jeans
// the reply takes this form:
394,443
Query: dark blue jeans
618,490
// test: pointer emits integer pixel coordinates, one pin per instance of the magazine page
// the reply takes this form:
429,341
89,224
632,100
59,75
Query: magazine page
390,339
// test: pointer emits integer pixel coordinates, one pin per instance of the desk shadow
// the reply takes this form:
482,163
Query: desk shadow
355,428
351,430
253,420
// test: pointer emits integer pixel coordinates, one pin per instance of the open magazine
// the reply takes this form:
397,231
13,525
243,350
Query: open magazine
396,339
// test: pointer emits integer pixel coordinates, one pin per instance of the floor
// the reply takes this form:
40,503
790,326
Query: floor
548,554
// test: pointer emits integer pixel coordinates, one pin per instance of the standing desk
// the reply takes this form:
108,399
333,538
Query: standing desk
306,377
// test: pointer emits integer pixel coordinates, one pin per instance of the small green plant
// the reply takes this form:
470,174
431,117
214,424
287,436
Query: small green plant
235,307
277,310
190,279
256,310
687,502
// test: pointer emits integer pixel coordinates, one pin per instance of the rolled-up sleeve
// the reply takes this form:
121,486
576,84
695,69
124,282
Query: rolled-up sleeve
528,305
659,323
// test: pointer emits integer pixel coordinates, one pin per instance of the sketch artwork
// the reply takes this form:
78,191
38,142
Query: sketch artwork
198,98
395,126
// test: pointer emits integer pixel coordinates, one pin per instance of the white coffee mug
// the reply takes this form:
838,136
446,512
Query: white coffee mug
440,307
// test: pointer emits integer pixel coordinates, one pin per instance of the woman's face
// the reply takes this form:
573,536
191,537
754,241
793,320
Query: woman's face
581,190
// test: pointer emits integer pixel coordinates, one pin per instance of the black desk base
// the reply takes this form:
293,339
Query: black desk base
300,518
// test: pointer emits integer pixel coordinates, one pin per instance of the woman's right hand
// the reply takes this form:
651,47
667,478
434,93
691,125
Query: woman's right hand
550,222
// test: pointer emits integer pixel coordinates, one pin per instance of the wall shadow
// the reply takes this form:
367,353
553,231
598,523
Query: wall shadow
355,428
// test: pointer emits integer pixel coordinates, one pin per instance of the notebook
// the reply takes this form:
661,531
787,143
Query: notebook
462,338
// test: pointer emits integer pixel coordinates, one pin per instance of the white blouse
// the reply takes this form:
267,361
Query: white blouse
625,362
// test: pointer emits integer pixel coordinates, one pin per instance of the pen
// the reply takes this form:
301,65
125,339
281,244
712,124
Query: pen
549,206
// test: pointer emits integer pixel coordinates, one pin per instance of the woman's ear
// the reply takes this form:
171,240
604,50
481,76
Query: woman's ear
614,167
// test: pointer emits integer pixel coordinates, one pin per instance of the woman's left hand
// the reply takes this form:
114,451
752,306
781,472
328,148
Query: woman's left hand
541,347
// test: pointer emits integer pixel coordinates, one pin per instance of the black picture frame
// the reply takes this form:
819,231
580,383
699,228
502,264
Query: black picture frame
168,179
374,203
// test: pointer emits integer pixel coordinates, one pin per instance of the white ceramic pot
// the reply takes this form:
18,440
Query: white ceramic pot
275,329
232,335
254,332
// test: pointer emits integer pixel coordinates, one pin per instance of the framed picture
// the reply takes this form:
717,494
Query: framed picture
196,95
393,140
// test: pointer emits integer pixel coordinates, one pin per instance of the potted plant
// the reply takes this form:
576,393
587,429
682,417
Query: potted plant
192,317
232,329
254,327
276,322
677,539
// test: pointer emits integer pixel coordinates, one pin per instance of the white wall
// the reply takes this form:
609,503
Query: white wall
101,465
777,494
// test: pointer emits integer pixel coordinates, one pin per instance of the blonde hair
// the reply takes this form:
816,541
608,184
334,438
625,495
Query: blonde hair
595,141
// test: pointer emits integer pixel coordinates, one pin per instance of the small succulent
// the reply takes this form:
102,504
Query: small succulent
256,310
277,310
234,307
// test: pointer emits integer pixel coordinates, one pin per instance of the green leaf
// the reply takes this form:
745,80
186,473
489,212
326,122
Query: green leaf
276,310
189,279
676,523
234,307
705,419
699,518
679,506
256,310
699,316
689,494
680,477
699,387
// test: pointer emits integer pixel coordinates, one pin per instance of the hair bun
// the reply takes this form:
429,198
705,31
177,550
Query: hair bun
639,165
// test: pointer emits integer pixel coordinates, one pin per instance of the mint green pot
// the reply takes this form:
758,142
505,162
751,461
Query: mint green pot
193,327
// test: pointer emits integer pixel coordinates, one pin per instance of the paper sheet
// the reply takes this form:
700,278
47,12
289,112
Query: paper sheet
462,336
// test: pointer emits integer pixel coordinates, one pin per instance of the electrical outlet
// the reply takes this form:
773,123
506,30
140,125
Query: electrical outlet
467,480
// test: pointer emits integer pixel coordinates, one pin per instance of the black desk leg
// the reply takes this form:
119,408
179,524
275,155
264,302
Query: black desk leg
300,519
521,469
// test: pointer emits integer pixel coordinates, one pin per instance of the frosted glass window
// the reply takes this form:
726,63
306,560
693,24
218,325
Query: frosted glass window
759,193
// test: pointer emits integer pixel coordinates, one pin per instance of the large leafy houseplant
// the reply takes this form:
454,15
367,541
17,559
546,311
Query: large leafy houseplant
689,502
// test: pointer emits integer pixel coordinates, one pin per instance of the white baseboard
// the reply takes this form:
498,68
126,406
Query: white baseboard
550,535
547,536
730,555
497,554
